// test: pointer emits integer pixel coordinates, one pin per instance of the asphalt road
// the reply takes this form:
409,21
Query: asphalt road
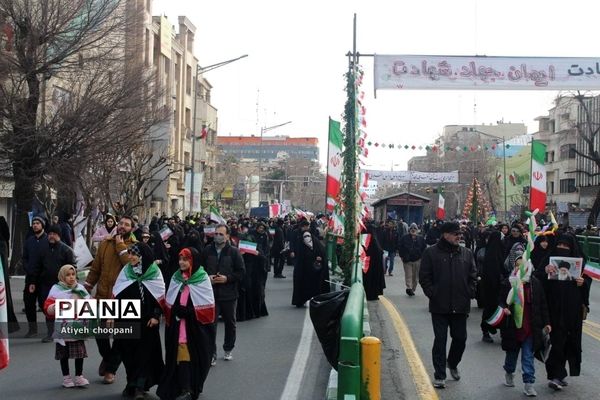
481,367
265,352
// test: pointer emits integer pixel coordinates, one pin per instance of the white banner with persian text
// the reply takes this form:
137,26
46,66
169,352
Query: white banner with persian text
486,73
412,176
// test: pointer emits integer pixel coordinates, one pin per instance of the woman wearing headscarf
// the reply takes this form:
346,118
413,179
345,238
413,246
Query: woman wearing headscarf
541,252
161,255
491,274
568,302
189,313
374,278
310,269
141,279
107,230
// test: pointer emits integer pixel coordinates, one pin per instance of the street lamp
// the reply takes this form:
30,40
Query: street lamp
201,70
260,155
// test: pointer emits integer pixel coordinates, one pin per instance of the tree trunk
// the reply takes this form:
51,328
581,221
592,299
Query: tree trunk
23,197
595,210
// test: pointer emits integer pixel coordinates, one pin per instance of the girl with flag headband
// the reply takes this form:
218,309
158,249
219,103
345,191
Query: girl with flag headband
527,318
68,346
189,313
141,279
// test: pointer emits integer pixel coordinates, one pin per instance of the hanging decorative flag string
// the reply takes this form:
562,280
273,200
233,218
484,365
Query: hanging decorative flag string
435,148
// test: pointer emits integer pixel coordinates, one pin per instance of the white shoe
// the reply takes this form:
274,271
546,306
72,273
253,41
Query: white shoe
213,361
509,379
81,381
228,356
68,382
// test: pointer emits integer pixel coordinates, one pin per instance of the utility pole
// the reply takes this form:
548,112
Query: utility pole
260,152
201,70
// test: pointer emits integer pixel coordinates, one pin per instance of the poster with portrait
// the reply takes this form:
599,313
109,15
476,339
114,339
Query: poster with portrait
567,268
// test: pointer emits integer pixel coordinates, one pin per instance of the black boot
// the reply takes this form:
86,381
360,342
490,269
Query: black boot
50,328
32,331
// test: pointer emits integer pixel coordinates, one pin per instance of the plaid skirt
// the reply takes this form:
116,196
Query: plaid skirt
75,349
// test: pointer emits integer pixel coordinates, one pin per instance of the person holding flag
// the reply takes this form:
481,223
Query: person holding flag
527,318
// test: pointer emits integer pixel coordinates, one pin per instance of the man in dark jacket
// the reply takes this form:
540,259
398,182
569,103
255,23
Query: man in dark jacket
45,274
225,267
410,249
32,250
448,277
389,242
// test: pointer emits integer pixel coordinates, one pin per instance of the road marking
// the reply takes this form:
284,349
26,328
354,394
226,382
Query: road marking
591,332
294,379
419,374
592,323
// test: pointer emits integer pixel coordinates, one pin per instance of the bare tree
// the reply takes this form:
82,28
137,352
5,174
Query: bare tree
72,93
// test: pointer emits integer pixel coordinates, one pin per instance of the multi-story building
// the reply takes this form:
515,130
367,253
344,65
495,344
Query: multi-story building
194,119
250,148
557,131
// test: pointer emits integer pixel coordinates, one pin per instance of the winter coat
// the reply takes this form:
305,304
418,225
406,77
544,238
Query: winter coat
411,249
52,258
229,263
32,250
448,276
389,239
539,317
110,259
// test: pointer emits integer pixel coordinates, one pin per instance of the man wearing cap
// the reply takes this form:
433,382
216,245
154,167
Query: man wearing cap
32,249
45,273
448,277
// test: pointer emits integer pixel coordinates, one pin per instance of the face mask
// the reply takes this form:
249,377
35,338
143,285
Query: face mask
563,252
462,244
307,240
219,239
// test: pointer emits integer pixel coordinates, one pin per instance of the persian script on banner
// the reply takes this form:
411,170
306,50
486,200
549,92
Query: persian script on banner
473,72
413,176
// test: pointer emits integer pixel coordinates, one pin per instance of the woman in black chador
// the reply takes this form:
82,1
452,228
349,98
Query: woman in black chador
142,280
310,271
189,313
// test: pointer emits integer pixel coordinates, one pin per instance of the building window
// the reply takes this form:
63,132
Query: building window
186,159
550,156
551,187
188,80
567,186
567,151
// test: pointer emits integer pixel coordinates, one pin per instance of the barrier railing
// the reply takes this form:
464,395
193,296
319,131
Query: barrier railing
351,332
591,248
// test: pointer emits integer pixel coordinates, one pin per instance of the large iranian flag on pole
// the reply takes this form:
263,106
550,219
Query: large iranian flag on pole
441,211
334,164
537,192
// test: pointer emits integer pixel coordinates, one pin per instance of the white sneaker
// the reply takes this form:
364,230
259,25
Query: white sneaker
213,361
81,381
68,381
529,390
228,356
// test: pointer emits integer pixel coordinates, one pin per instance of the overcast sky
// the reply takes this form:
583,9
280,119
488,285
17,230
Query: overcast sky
296,61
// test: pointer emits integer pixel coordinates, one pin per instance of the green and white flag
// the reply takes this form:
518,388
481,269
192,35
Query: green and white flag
215,215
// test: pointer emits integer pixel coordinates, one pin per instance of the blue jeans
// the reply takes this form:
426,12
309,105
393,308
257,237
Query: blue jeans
389,261
527,361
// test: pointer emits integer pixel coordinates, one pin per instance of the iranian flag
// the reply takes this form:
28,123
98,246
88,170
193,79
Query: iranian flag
441,211
215,216
592,270
537,195
496,318
334,164
4,354
247,247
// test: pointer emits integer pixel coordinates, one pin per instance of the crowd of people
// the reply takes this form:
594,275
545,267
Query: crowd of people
457,262
189,273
